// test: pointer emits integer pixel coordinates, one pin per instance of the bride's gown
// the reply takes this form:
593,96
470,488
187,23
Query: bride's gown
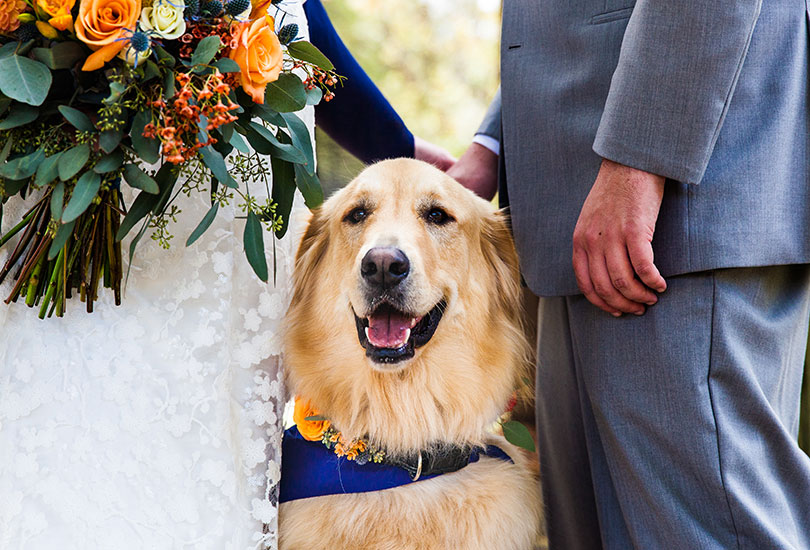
156,424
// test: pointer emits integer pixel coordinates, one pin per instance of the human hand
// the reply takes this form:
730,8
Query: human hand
432,154
613,255
477,170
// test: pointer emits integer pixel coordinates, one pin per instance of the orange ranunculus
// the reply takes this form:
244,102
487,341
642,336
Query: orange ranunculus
311,430
59,10
9,13
100,25
258,53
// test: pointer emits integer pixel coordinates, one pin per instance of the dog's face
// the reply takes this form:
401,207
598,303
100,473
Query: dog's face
404,279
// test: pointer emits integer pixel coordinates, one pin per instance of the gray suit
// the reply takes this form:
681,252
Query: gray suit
673,430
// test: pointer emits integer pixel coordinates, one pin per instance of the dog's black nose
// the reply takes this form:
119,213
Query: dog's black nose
385,266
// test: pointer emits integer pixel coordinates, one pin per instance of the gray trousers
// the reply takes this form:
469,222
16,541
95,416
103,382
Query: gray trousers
677,429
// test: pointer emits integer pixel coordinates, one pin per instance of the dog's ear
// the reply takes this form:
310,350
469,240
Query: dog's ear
500,254
311,251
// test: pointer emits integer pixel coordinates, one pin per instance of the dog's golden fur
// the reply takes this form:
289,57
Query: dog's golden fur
452,390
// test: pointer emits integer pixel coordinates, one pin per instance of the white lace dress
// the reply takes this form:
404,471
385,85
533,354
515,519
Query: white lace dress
156,424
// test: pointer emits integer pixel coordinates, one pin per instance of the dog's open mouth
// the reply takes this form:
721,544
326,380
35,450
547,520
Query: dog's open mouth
390,335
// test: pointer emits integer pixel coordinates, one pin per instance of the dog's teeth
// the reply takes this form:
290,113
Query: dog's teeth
407,335
366,333
413,322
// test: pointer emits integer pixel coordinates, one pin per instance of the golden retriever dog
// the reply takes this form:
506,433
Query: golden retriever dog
404,329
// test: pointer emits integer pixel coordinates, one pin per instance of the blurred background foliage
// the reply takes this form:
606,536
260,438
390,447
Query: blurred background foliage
435,60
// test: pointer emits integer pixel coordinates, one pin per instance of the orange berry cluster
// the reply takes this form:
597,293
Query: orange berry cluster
178,125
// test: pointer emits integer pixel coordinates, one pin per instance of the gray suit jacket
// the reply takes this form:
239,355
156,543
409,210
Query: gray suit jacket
712,94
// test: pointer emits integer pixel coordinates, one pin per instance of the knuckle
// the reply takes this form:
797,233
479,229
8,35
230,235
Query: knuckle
620,283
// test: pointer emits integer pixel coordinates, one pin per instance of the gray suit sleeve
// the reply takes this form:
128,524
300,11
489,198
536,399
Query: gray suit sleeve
491,125
677,70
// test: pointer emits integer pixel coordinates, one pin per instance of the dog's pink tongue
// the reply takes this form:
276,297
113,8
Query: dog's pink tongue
389,329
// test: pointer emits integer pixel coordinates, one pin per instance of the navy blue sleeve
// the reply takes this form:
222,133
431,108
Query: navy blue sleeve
359,118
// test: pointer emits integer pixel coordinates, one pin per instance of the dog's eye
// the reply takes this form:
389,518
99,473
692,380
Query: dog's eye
437,216
356,215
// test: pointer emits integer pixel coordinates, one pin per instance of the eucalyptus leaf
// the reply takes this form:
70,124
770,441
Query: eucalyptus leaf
141,206
22,168
214,161
517,434
239,143
138,179
254,246
166,177
268,144
283,191
301,139
8,49
48,170
310,187
62,55
206,50
58,200
73,160
306,51
314,96
316,418
150,71
19,114
109,140
11,187
148,149
6,150
163,57
78,119
109,162
287,94
24,79
83,194
5,103
204,224
227,65
62,235
268,115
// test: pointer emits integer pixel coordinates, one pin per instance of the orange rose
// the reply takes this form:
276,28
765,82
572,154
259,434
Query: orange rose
101,24
257,51
59,10
311,430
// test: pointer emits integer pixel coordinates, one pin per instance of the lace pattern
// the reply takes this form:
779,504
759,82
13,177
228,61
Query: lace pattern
155,424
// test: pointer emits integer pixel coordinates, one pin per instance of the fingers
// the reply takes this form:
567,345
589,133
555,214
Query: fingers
623,278
583,276
641,256
603,285
606,275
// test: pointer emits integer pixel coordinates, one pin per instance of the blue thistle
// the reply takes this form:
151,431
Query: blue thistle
235,7
288,33
27,31
212,8
192,8
139,41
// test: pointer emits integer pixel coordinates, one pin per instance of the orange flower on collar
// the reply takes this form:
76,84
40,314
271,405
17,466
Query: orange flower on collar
311,430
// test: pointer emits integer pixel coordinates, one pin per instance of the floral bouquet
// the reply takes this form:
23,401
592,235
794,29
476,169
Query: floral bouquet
154,95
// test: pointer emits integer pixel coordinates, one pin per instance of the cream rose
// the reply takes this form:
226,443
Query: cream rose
165,18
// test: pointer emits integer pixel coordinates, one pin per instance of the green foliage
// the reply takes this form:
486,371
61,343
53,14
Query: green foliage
517,434
286,95
24,79
83,194
305,51
254,246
